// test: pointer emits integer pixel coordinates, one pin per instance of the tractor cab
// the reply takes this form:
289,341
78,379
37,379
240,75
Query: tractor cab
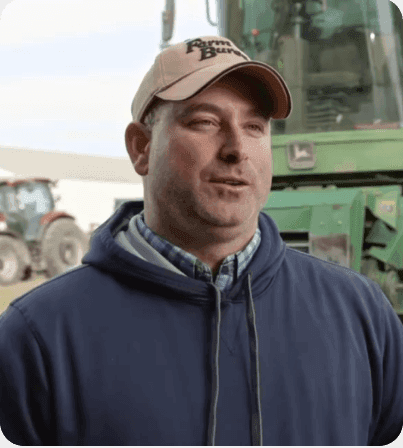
25,203
33,236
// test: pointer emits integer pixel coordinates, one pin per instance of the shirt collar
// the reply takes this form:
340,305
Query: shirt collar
230,269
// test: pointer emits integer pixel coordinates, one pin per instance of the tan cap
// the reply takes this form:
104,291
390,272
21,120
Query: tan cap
185,69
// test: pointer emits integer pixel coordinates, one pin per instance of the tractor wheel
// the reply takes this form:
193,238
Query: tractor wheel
63,246
14,261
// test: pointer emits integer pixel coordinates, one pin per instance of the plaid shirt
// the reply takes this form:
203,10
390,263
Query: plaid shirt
229,271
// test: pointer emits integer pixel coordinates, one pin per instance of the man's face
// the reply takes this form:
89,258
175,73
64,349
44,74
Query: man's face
217,134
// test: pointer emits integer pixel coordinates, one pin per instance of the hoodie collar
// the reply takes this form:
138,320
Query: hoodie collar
106,254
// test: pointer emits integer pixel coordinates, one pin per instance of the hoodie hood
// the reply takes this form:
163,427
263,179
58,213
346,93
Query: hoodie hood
108,255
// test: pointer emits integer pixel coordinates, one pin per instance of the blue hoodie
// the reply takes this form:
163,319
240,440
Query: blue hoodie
126,350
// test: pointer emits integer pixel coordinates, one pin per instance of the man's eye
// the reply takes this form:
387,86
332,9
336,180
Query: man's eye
201,123
256,127
209,123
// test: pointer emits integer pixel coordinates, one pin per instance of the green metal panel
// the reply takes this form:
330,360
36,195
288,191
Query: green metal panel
296,219
383,201
336,214
347,151
330,219
301,198
344,224
392,254
380,234
357,222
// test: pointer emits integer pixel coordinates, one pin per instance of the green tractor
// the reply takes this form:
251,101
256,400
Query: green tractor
34,238
338,158
337,190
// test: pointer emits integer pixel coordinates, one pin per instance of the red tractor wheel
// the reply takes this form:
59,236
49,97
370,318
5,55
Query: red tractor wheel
63,246
14,261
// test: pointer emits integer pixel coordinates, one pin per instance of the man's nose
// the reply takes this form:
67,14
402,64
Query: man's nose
234,148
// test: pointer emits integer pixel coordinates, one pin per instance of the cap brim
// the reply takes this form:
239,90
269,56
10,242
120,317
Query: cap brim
199,80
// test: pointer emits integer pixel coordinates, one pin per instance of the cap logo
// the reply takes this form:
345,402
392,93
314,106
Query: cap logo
208,48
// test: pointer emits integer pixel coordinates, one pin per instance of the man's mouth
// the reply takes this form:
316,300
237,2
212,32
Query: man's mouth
230,181
227,182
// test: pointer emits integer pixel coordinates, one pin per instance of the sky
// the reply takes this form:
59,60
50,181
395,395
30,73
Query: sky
69,69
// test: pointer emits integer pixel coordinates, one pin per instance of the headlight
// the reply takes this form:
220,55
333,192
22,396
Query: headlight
3,226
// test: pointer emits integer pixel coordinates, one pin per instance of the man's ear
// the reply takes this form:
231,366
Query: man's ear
138,140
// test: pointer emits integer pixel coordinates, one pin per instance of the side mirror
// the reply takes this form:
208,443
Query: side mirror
168,21
208,14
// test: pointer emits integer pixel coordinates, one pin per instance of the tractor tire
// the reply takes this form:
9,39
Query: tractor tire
63,246
15,259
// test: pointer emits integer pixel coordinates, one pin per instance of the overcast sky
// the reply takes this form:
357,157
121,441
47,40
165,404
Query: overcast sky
70,68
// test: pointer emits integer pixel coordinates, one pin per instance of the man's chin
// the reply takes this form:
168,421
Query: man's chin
220,219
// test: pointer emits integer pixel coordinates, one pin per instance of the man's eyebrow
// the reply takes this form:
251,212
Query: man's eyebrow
208,107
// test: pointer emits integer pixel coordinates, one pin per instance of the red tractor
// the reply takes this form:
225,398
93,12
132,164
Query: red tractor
33,236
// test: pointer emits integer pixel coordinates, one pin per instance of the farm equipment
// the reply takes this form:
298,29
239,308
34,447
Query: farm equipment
338,158
34,237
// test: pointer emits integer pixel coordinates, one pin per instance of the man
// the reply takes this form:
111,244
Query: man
192,323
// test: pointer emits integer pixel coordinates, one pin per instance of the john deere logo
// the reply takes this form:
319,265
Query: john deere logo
301,155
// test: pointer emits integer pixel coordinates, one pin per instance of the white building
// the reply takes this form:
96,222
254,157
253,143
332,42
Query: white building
87,185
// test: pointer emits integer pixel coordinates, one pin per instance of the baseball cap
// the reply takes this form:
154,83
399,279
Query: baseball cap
184,70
